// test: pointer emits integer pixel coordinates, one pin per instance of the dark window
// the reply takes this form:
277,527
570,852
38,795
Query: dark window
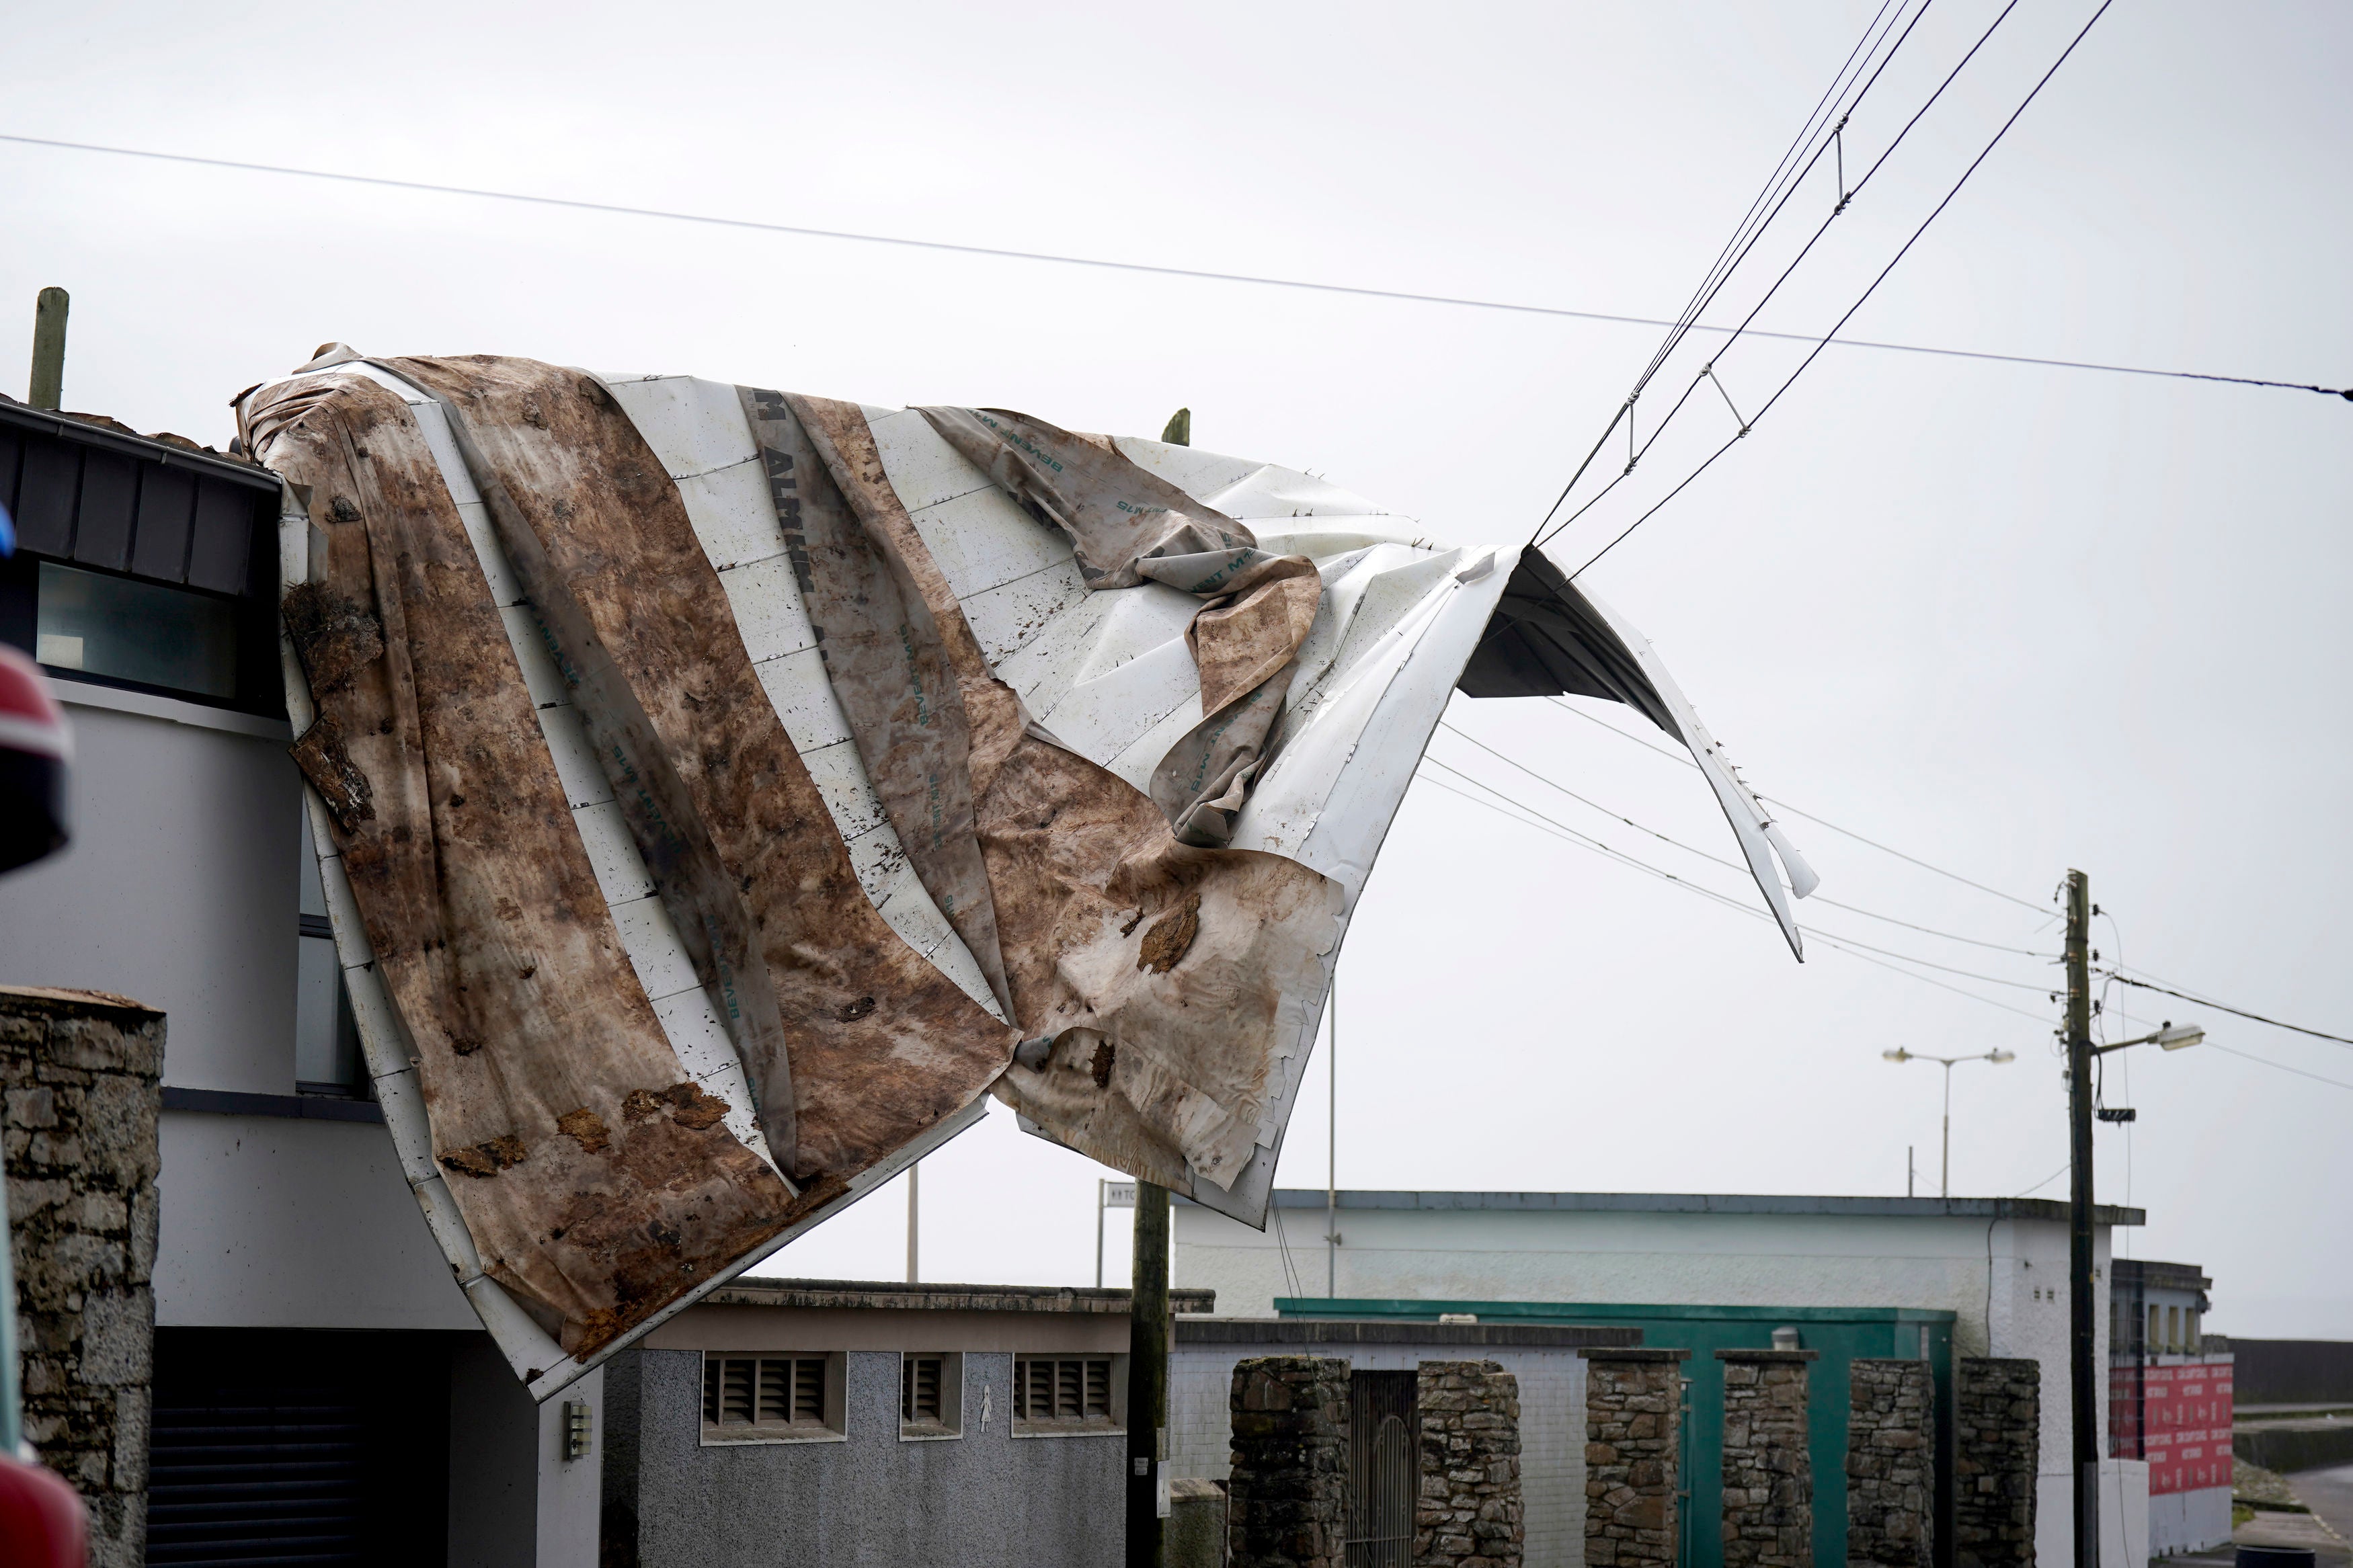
146,633
271,1445
140,564
326,1036
919,1388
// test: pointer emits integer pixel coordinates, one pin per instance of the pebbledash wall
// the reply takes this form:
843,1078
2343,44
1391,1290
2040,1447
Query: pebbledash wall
981,1486
1997,1265
1544,1357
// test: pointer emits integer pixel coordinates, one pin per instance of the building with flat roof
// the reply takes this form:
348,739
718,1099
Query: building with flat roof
1938,1278
832,1422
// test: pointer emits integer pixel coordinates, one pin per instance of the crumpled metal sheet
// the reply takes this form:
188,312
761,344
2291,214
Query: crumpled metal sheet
859,740
1129,526
1150,974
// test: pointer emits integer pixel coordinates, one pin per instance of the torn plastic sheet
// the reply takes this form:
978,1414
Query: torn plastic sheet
636,585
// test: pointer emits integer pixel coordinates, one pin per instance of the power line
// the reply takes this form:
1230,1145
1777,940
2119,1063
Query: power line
1674,756
2283,1066
1404,296
1729,865
1861,300
1707,372
2226,1007
1712,894
1785,180
1849,945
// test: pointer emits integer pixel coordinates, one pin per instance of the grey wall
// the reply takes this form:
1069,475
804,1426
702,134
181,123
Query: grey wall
985,1498
179,888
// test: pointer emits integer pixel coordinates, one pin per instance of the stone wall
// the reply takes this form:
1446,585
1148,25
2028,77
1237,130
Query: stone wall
1996,1433
79,1102
1633,1414
1890,1464
1467,1509
1768,1477
1287,1496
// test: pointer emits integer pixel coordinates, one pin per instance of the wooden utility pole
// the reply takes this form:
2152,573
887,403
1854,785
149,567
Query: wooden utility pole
1147,1322
1148,1376
2082,1373
47,389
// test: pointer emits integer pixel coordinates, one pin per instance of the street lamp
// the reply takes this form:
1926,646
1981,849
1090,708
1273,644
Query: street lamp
1996,1055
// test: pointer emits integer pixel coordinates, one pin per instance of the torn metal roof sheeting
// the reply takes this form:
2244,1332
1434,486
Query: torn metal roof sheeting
718,790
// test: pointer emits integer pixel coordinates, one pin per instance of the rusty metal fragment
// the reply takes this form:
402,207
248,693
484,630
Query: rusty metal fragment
320,755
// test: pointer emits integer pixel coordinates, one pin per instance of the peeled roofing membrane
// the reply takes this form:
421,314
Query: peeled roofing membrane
719,789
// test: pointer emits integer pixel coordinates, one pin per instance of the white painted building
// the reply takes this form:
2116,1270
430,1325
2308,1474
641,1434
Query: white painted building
1999,1266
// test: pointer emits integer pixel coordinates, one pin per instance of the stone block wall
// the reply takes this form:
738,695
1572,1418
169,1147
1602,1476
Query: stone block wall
1468,1509
1996,1432
78,1103
1890,1464
1287,1494
1768,1479
1633,1415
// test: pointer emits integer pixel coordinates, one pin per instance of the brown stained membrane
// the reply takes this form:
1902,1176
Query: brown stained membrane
1126,526
489,928
884,659
561,466
1166,1041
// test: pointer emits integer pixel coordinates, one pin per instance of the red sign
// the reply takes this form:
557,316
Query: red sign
2181,1415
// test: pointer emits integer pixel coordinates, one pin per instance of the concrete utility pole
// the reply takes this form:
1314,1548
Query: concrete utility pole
47,389
2083,1375
914,1178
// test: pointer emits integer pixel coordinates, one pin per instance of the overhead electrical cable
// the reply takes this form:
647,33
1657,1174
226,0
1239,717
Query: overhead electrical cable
1750,423
1727,261
1552,784
2124,979
617,209
1570,836
1683,758
1853,945
2283,1066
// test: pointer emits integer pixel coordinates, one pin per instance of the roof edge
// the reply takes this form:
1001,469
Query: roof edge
1705,1203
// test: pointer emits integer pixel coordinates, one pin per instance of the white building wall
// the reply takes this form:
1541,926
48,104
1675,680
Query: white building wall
1552,1424
179,887
2004,1279
272,1223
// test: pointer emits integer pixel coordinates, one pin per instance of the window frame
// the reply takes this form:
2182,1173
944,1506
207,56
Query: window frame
834,1427
950,1424
56,459
1112,1423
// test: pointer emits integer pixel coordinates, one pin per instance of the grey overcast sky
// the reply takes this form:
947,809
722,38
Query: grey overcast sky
2008,619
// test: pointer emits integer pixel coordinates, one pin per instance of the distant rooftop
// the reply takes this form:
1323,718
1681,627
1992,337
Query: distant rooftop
1706,1203
893,1296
